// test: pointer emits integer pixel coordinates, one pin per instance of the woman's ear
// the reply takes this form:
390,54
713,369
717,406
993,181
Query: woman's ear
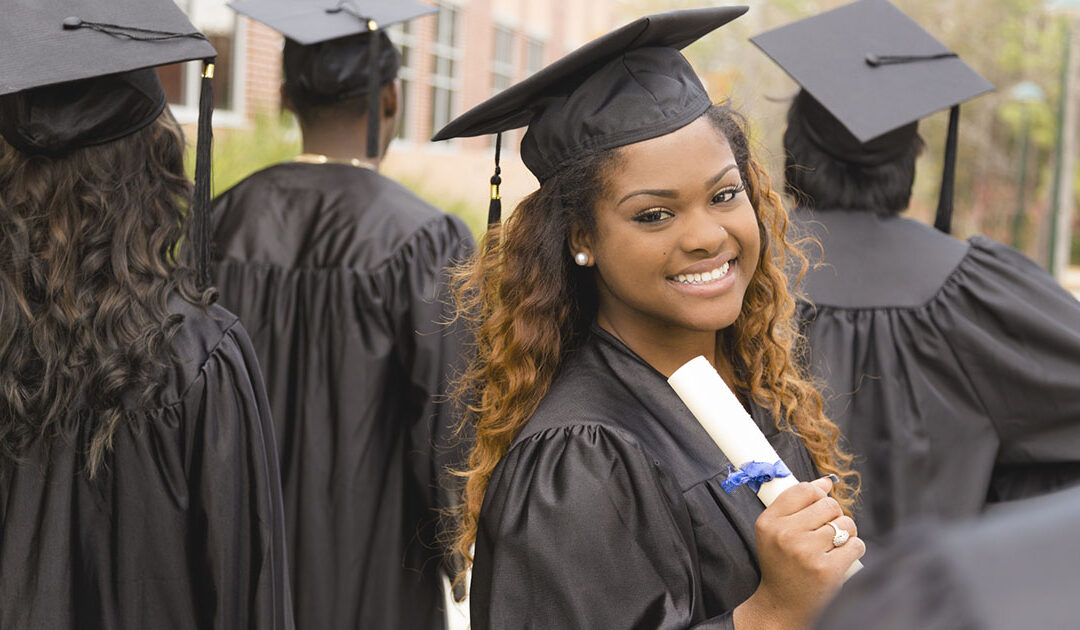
581,250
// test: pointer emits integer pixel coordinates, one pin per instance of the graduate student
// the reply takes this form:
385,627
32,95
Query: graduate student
1015,568
138,483
951,366
339,273
594,497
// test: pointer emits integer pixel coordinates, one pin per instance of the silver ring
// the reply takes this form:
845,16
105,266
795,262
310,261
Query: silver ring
841,536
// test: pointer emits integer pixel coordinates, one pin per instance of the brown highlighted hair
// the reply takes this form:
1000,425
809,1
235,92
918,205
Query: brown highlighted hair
88,259
529,306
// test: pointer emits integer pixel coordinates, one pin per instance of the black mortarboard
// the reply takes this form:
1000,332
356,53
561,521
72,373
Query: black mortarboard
873,72
336,49
78,74
629,85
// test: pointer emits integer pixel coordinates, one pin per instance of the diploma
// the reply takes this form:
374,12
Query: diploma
715,406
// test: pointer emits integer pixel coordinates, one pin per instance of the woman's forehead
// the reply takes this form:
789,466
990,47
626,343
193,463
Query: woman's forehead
692,155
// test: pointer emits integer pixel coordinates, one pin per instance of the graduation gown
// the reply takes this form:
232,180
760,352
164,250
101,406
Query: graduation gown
952,367
338,274
1014,569
607,510
183,525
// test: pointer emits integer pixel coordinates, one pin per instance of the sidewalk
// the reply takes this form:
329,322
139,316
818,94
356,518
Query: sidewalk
1071,280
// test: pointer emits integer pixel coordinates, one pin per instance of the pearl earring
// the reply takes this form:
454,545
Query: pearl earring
581,258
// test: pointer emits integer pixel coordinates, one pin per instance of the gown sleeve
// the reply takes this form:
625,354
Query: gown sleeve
433,355
237,521
1017,335
580,530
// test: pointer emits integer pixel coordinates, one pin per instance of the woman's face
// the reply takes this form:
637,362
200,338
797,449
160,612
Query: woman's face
676,239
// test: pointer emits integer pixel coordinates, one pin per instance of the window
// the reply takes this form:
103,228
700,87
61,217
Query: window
534,56
181,81
446,66
502,64
405,39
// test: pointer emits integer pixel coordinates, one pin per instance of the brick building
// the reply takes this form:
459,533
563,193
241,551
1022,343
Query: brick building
452,60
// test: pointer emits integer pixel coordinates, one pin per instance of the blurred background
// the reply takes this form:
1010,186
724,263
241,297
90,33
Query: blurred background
1017,169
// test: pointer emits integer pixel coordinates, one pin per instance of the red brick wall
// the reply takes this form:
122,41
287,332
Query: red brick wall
262,81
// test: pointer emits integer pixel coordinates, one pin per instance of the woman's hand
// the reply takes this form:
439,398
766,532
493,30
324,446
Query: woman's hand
800,567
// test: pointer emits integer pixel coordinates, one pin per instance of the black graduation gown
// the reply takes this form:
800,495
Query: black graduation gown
952,367
1017,568
337,273
181,528
607,510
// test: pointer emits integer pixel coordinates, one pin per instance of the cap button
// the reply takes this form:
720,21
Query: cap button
71,23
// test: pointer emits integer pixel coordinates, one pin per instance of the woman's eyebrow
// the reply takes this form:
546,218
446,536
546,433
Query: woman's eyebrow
672,194
720,175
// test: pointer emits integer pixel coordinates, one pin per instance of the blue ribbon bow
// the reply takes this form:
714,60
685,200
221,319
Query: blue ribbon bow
753,474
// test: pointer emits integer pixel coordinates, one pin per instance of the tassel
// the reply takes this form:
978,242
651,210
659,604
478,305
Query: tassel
200,207
943,220
495,207
374,90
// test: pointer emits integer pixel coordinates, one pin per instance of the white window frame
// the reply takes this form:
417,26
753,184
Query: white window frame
188,112
407,74
453,83
508,68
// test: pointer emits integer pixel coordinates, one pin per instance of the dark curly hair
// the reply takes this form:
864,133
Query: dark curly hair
89,255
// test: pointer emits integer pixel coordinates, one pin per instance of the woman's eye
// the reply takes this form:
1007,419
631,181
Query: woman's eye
652,215
728,194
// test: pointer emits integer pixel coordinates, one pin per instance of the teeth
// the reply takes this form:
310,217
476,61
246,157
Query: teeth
704,278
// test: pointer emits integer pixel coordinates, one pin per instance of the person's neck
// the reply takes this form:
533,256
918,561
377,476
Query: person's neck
339,145
667,349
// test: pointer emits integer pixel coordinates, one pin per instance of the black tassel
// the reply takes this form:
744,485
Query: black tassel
943,220
200,207
374,90
495,207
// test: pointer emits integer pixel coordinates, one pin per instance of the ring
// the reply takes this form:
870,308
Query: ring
841,536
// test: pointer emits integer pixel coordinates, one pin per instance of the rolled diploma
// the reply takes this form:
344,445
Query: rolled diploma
714,405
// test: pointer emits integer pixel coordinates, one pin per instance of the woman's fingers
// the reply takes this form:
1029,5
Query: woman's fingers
827,533
847,553
799,497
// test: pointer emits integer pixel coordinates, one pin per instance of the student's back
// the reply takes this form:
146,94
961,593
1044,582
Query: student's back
138,483
338,272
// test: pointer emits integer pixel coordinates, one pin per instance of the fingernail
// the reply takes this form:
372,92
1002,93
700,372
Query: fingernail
834,478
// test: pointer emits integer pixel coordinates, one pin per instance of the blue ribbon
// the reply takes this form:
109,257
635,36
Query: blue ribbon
753,474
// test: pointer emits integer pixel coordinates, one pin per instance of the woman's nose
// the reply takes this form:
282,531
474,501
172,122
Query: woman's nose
703,231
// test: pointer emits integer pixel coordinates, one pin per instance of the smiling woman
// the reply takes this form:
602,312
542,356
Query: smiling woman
593,497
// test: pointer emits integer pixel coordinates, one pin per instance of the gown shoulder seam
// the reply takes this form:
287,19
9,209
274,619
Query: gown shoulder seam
362,272
226,333
949,279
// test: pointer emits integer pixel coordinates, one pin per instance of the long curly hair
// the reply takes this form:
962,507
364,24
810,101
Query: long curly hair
88,258
529,307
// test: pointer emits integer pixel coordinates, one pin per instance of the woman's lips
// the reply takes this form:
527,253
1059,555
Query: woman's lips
707,283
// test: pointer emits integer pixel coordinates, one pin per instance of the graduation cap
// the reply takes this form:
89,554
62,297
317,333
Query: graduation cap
871,73
336,49
78,74
629,85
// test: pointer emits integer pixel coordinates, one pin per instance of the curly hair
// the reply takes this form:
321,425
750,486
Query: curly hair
529,307
88,259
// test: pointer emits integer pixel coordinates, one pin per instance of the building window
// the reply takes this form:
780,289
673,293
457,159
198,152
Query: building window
446,66
181,81
404,37
502,64
534,56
